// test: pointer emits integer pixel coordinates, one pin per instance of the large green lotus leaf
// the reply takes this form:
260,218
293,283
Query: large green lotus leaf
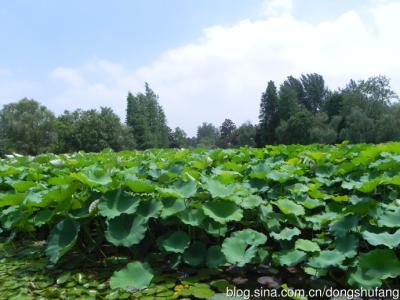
360,279
33,199
168,193
311,203
289,258
22,186
126,230
375,266
195,255
326,258
279,176
214,228
286,234
61,239
395,180
290,207
384,238
307,246
199,291
227,177
192,216
351,185
344,226
149,208
215,257
370,185
347,245
316,194
298,188
237,252
241,247
11,199
114,203
93,176
175,242
390,219
135,275
326,170
261,256
362,208
186,189
172,207
222,211
217,189
42,217
62,180
13,215
251,202
250,237
260,171
138,185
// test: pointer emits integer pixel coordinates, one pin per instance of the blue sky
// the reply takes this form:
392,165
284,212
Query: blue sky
194,53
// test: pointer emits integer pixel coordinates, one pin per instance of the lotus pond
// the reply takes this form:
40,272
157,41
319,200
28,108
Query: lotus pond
188,223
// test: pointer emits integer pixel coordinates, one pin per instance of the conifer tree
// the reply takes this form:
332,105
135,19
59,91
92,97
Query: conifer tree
269,116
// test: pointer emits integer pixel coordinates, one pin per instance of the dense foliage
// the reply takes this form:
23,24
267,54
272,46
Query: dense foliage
329,212
147,119
300,111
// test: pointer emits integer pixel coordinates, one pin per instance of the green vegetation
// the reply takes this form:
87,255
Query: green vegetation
300,111
310,215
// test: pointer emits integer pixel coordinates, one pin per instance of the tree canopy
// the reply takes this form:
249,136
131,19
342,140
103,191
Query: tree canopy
302,111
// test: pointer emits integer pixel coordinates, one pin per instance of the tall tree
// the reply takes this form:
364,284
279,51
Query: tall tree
147,119
269,115
297,86
227,130
136,118
287,104
315,91
207,135
27,127
333,104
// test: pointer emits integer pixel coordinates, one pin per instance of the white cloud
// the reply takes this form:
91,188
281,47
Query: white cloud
277,8
224,72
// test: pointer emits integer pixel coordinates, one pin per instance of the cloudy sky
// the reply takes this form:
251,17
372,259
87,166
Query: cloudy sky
207,59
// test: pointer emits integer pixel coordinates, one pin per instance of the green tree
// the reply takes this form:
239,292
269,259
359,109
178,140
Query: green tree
147,119
227,134
287,104
297,86
359,127
333,104
26,127
246,135
137,119
315,91
207,135
269,115
296,130
387,128
93,131
322,131
178,138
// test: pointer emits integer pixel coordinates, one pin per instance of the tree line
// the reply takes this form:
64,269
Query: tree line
301,111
